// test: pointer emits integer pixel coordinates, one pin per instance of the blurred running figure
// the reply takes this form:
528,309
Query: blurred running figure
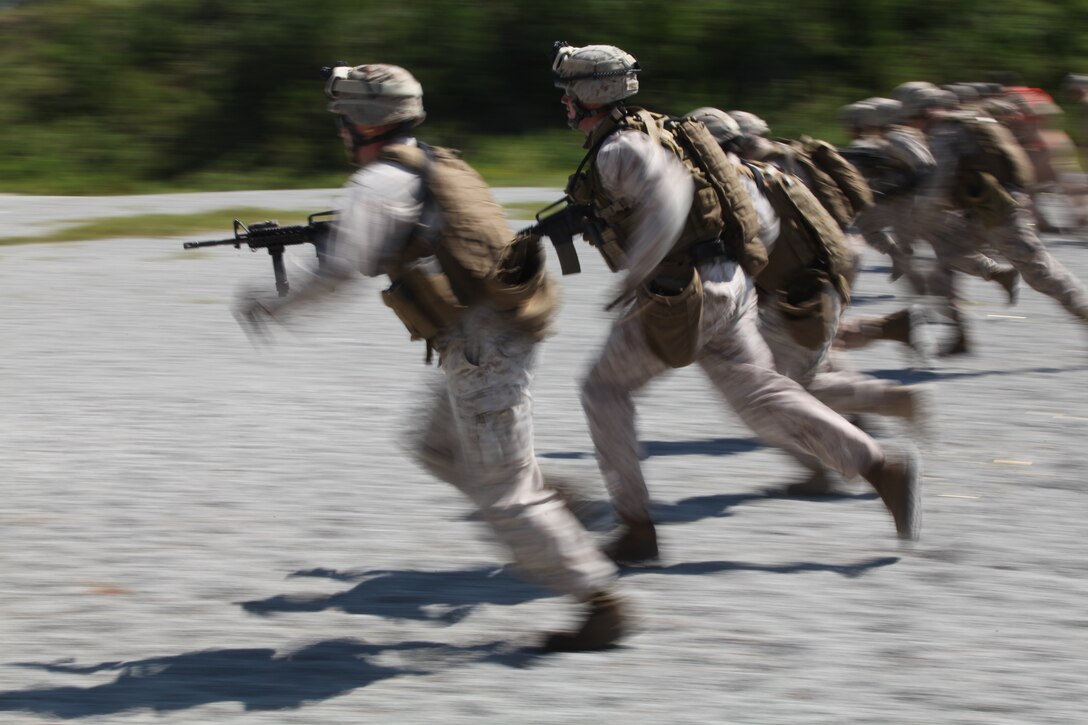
685,231
423,217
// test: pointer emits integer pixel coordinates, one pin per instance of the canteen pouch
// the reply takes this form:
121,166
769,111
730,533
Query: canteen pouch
807,310
985,198
524,289
671,322
423,301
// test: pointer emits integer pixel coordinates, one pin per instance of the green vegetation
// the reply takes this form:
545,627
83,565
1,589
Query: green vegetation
120,96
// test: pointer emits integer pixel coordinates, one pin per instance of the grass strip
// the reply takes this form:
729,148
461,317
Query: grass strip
154,226
220,221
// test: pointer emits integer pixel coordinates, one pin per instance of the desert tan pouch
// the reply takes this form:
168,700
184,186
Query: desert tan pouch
672,322
423,301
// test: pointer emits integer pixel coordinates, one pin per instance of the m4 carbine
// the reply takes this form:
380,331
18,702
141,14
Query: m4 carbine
271,236
884,176
561,226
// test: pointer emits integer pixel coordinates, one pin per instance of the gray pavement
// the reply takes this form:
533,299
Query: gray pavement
195,531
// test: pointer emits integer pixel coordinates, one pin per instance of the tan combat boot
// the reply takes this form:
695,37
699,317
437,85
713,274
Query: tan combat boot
606,623
907,326
818,483
636,544
909,403
898,481
1009,279
959,345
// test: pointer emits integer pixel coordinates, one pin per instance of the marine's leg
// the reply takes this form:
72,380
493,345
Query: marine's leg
624,366
489,373
779,411
1019,243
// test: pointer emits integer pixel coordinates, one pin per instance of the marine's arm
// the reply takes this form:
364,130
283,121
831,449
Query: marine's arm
382,208
645,178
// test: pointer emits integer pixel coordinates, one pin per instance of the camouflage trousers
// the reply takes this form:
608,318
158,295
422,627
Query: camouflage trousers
890,228
950,235
739,365
479,437
886,225
822,371
1017,240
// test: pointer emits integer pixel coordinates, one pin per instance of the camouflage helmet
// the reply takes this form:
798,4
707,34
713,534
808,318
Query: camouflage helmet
750,124
597,74
964,92
1075,81
886,111
847,115
859,114
375,94
721,125
946,99
903,90
921,99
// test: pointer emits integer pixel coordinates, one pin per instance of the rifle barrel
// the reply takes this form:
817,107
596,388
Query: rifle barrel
216,243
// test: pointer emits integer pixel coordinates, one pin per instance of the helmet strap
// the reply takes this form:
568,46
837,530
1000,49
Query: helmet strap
358,140
581,113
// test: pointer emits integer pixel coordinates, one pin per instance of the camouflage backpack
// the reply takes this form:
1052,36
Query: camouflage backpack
809,241
479,260
836,183
720,208
997,152
846,176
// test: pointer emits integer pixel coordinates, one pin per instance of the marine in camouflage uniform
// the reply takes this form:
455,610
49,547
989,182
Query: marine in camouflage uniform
645,192
406,206
900,212
824,373
1005,224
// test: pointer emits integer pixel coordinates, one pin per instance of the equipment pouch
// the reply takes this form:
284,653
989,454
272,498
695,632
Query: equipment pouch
807,310
985,198
524,288
423,301
672,322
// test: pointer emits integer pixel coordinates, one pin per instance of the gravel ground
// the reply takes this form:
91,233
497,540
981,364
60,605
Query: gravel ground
195,531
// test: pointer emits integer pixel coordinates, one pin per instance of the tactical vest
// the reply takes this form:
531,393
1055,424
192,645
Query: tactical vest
720,208
996,152
479,260
810,244
847,178
792,158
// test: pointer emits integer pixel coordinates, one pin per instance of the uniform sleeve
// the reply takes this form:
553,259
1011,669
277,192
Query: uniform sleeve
382,207
769,224
655,186
912,152
948,142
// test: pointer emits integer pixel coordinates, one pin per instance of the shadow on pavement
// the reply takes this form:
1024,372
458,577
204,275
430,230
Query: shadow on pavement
696,568
705,447
433,596
258,678
913,375
696,508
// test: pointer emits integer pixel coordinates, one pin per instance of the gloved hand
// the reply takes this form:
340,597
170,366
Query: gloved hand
253,312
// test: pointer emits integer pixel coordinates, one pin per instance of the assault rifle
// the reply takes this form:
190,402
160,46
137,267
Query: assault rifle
561,226
884,176
271,236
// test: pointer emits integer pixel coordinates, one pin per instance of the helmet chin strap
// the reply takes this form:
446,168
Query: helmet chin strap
581,113
358,140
